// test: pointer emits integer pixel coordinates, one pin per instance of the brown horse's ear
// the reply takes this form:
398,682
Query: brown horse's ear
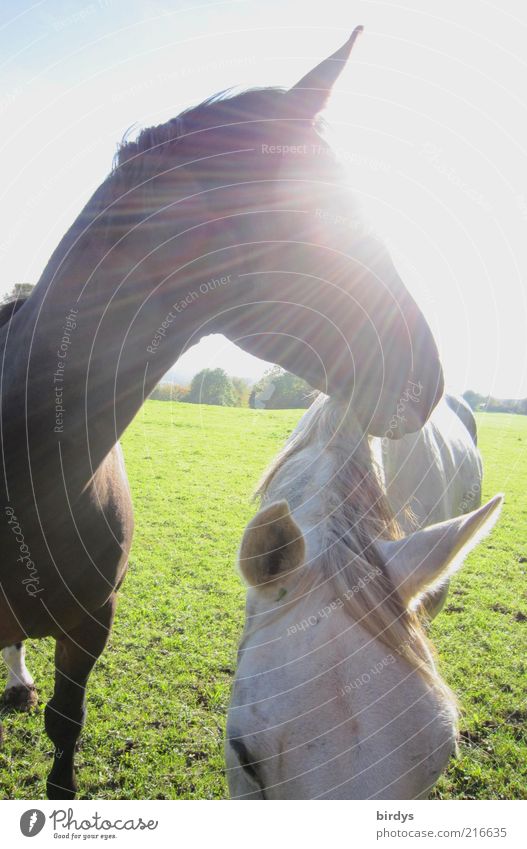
309,96
272,545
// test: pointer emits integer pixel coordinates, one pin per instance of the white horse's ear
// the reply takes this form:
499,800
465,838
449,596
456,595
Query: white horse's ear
309,96
425,559
272,545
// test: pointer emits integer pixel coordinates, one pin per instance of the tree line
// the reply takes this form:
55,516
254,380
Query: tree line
276,390
281,390
489,404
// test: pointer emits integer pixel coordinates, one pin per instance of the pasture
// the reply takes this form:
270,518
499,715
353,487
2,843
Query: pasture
158,697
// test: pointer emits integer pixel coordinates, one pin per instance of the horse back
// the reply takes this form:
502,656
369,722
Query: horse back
434,474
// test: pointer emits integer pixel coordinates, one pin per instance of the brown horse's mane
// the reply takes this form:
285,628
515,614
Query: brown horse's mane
157,149
222,110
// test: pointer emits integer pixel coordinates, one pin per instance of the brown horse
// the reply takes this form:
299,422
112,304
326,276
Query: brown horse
232,218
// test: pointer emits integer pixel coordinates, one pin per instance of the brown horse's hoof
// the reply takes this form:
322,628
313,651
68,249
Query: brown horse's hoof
20,698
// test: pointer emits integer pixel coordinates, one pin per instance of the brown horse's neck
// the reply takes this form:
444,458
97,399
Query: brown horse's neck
99,331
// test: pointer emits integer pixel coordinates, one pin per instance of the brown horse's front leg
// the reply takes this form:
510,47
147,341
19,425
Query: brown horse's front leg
75,655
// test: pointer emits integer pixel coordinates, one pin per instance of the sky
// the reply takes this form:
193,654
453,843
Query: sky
429,117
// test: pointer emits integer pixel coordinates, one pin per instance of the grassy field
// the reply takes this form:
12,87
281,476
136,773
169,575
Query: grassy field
158,697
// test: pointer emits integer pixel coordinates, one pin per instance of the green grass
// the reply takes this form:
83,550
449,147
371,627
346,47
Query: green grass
157,700
481,635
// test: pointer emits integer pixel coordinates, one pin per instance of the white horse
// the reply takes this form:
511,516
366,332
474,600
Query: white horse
336,693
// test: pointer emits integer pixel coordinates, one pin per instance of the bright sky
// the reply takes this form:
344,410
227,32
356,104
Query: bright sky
430,114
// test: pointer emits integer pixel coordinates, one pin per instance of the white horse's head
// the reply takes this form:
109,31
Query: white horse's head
336,694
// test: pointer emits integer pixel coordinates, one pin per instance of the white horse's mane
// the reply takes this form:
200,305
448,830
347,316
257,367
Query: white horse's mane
356,515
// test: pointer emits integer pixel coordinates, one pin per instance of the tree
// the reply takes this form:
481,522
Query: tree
242,391
14,300
19,290
212,386
473,399
169,392
281,390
